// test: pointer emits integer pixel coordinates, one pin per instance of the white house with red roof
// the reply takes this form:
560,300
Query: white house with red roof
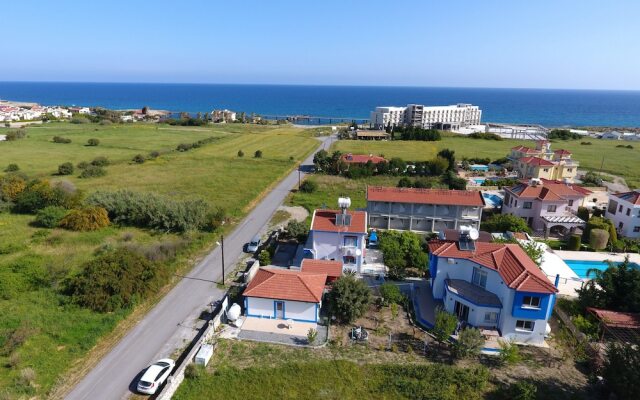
624,211
338,235
543,163
423,210
548,206
493,286
276,293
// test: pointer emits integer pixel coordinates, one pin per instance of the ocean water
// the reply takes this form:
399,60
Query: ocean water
535,106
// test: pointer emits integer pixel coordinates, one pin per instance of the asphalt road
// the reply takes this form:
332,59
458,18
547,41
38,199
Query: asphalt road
170,323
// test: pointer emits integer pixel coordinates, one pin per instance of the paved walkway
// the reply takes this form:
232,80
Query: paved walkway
597,256
424,304
283,338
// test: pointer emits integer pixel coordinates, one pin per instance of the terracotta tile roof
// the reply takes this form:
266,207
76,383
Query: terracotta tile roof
524,149
548,190
325,220
281,284
562,151
517,270
333,269
361,158
425,196
537,161
632,197
617,319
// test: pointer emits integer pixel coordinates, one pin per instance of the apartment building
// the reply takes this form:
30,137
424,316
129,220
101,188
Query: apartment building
624,211
437,117
423,210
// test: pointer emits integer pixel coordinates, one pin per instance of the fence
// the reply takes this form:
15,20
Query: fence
248,276
187,357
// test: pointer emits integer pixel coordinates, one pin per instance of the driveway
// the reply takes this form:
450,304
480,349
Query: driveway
172,323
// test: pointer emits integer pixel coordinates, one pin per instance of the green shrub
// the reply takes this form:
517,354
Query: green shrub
505,223
520,390
100,161
258,154
583,214
11,186
312,335
308,186
138,159
12,168
509,352
469,343
184,147
296,230
93,142
401,251
349,298
79,120
85,219
82,165
50,217
92,171
60,139
65,169
154,154
444,326
598,238
574,242
39,194
390,294
264,257
116,280
16,134
240,153
193,371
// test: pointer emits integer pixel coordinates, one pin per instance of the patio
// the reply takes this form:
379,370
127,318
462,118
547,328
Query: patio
373,263
277,331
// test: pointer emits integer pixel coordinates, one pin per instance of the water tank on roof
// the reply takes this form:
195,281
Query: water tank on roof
344,202
234,312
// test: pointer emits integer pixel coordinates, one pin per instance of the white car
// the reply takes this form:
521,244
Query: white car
254,244
155,375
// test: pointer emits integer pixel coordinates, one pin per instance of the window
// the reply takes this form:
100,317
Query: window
620,225
490,317
348,260
551,208
522,325
531,302
351,241
636,229
516,205
546,170
612,207
620,208
527,205
570,203
569,169
479,278
628,211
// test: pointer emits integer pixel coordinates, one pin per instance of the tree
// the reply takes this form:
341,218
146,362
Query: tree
469,343
85,219
296,230
308,186
258,154
616,288
264,258
65,169
622,370
598,238
12,168
591,179
349,298
444,326
402,250
450,156
505,223
583,214
390,294
93,142
574,242
534,250
240,153
453,181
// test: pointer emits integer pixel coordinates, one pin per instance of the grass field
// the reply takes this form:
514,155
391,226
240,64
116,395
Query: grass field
39,329
617,161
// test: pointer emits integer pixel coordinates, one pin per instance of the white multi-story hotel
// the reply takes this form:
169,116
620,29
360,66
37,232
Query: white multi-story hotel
439,117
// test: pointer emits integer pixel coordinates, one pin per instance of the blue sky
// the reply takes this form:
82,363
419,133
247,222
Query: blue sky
584,44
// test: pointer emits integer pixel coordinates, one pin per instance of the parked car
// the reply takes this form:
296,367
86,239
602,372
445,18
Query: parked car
253,245
155,375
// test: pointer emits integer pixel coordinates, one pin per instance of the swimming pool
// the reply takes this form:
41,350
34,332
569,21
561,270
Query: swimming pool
580,267
492,200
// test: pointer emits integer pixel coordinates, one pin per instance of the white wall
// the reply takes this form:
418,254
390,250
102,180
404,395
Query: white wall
259,307
296,310
327,245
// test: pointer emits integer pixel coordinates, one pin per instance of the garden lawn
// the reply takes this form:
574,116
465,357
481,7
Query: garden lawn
617,161
54,335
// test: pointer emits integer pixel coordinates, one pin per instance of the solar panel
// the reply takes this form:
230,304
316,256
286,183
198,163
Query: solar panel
466,244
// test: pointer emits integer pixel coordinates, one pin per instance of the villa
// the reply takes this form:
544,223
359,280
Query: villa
350,158
492,286
542,163
624,211
338,235
547,206
423,210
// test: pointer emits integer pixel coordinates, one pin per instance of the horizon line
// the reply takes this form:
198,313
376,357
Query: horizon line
320,85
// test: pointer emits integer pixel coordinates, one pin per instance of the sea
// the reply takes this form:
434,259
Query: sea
547,107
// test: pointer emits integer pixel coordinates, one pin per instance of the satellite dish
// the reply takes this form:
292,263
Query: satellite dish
358,252
474,234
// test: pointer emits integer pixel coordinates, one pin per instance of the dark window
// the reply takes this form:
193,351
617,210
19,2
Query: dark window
531,301
613,206
551,208
620,208
628,211
525,325
527,205
349,260
636,229
570,203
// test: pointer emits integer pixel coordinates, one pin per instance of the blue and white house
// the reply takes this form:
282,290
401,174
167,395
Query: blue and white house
493,286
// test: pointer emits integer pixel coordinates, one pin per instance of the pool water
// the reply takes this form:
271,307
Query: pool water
580,267
479,181
492,199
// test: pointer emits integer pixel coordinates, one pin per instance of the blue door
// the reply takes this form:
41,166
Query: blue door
279,309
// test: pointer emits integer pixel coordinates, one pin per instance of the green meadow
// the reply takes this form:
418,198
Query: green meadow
614,160
44,339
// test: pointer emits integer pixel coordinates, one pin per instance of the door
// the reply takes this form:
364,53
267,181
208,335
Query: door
279,309
462,311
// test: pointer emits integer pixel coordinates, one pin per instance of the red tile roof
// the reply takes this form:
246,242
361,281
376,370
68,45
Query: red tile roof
517,270
425,196
361,158
562,151
281,284
632,197
524,149
537,161
548,190
333,269
617,319
325,220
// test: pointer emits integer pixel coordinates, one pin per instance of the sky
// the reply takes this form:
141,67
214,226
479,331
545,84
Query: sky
572,44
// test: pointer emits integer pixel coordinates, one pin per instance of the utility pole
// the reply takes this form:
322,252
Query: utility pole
221,244
299,173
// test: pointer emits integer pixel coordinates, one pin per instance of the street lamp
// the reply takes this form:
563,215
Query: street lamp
221,244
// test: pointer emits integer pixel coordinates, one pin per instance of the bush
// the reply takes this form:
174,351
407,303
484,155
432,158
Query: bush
115,280
79,120
92,171
258,154
444,326
184,147
591,179
148,210
12,168
65,169
264,258
563,134
154,154
505,222
349,298
521,390
574,243
193,371
39,194
622,370
308,186
82,165
16,134
11,186
106,122
312,335
485,136
93,142
390,294
402,250
60,139
469,344
583,214
240,153
138,159
296,230
598,239
509,352
100,161
50,217
85,219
